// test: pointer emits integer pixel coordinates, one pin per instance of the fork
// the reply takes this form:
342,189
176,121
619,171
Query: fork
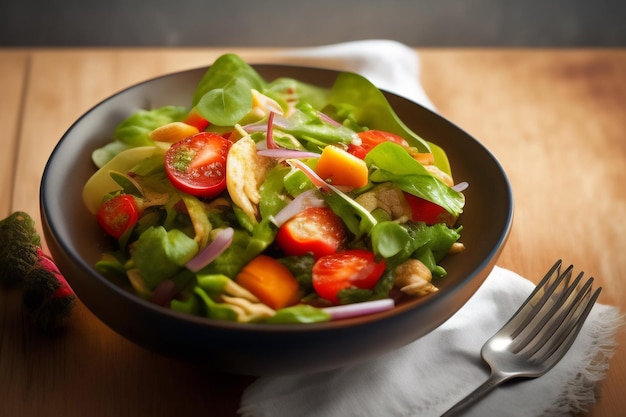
539,333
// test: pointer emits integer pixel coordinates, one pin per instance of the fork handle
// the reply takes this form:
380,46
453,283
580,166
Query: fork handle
493,381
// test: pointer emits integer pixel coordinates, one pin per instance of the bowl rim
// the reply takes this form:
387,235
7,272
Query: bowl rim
486,263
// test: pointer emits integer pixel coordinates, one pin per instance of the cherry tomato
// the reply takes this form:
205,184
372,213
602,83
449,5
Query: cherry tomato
426,211
371,138
118,214
354,268
197,164
316,230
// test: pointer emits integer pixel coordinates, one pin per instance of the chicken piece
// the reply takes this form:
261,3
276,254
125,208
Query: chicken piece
457,247
387,197
414,278
424,158
427,160
245,172
246,310
436,172
235,290
262,105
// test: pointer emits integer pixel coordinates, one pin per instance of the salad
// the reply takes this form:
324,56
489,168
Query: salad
274,201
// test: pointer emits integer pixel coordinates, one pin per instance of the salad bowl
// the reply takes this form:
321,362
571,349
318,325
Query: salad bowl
76,244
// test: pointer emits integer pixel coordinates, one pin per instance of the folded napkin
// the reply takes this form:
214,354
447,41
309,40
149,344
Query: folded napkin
428,376
390,65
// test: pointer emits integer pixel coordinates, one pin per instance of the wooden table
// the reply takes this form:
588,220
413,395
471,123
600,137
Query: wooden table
553,118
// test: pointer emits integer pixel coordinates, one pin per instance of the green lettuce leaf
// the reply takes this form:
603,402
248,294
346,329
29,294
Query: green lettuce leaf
159,254
392,163
135,130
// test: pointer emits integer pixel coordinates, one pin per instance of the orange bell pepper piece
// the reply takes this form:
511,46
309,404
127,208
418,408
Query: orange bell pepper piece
339,167
270,281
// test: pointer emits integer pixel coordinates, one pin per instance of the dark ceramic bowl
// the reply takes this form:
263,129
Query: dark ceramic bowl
76,243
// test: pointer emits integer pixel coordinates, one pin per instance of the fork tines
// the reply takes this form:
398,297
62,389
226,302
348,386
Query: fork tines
554,312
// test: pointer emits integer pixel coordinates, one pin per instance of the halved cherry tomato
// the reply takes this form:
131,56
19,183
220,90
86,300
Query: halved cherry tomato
118,214
315,230
354,268
194,118
426,211
197,164
371,138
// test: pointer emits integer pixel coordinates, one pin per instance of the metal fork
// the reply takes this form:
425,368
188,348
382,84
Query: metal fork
539,333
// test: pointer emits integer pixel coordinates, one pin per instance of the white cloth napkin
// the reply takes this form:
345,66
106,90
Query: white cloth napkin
428,376
390,65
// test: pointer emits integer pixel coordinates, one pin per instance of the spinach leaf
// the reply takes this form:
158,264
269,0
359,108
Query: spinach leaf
273,192
317,133
357,219
244,247
301,267
441,159
429,244
189,304
355,98
358,295
289,87
212,309
389,238
224,95
391,162
135,130
201,225
231,261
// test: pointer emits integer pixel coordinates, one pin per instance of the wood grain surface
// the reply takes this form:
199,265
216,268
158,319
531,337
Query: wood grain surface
553,118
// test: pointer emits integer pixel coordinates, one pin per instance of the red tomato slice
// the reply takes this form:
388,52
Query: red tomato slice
316,230
118,214
371,138
425,211
197,164
355,268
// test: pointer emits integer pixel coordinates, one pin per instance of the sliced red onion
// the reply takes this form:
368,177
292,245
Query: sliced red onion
323,185
281,121
278,121
255,127
302,202
359,309
222,241
164,292
326,118
269,136
462,186
287,153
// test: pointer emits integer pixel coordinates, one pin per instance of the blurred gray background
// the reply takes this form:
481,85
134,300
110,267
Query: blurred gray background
566,23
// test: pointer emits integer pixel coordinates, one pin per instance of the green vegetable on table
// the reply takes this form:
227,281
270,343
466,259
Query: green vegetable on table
47,296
